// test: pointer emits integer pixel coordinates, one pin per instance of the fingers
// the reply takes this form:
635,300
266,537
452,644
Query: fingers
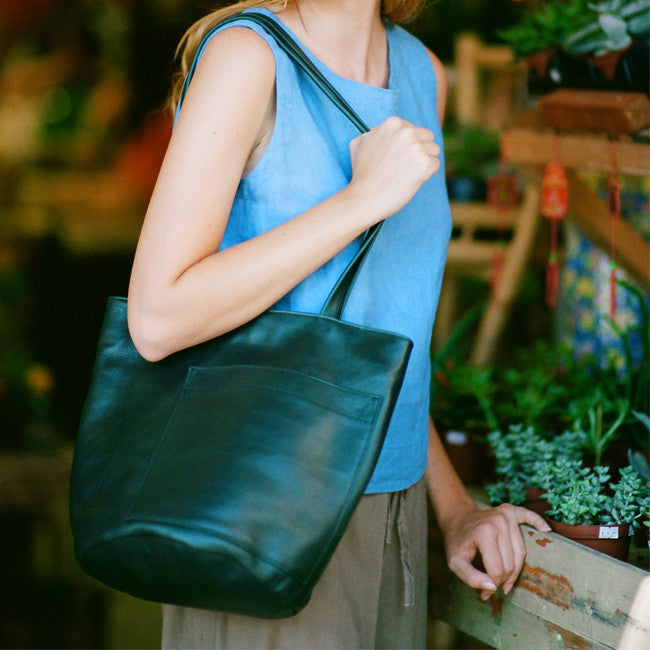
525,516
496,536
391,162
518,556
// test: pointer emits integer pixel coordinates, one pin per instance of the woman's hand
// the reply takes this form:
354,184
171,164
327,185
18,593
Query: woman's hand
494,533
390,163
468,529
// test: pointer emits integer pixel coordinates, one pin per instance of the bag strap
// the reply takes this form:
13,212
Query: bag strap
338,297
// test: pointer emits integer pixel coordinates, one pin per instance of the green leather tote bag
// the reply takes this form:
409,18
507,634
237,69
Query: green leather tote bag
223,476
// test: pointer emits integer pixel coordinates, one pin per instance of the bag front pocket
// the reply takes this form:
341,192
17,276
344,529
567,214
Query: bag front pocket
261,457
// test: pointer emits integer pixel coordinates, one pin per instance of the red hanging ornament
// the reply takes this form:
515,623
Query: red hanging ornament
614,206
554,206
503,195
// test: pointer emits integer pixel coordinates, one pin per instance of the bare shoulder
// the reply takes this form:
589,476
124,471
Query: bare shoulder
238,51
441,82
232,89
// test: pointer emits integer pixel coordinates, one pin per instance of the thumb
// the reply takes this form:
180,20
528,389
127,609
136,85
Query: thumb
470,575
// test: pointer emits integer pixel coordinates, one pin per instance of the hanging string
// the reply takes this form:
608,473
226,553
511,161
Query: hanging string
503,196
614,206
554,206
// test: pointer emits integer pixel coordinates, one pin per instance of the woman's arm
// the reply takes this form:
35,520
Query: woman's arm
441,85
182,291
468,529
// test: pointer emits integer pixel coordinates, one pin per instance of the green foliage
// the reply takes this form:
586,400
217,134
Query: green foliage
546,26
579,26
469,150
585,496
524,459
599,416
611,27
634,384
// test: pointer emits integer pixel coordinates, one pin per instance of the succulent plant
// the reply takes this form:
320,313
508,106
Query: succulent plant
587,497
614,24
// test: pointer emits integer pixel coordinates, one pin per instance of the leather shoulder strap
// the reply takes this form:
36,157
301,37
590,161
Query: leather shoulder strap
335,302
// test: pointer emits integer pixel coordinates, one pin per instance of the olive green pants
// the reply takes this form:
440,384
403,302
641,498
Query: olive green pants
373,593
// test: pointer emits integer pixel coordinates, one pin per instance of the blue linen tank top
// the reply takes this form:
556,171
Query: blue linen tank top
308,160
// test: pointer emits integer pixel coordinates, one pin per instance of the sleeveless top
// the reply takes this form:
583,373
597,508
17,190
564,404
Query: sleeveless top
308,160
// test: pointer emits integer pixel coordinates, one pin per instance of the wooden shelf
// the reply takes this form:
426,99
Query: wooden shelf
528,143
525,139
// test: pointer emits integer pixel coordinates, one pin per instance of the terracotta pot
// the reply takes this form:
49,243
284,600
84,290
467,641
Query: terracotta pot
607,63
535,502
538,61
611,540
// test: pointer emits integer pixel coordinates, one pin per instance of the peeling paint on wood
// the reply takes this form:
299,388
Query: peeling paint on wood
496,603
555,589
569,640
589,607
585,597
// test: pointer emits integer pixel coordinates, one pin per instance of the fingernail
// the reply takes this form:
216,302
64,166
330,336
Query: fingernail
507,588
488,585
547,528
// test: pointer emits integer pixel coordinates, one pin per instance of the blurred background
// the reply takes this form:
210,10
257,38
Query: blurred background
82,135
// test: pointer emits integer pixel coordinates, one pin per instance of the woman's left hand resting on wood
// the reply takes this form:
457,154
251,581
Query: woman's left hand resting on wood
468,529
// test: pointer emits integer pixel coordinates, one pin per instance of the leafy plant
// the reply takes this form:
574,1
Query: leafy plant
587,497
640,465
524,459
612,26
460,393
599,416
635,382
545,26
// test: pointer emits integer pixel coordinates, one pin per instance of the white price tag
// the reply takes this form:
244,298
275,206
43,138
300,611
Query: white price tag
608,532
456,437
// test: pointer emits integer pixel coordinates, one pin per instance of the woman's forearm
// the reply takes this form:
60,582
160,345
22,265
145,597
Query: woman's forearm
448,495
230,287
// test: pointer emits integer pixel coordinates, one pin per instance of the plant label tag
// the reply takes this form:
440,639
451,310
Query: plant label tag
456,437
608,532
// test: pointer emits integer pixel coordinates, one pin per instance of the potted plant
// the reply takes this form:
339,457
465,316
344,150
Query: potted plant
525,464
543,29
599,416
610,32
586,507
538,38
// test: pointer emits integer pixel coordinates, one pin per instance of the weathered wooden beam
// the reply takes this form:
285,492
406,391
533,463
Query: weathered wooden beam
567,596
589,212
525,139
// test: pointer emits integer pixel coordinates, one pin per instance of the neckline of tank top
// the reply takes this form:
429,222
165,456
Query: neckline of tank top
344,82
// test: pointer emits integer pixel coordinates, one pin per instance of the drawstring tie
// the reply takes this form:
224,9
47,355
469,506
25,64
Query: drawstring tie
396,513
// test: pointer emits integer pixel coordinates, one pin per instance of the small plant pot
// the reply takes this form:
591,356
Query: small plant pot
539,61
535,502
610,540
607,63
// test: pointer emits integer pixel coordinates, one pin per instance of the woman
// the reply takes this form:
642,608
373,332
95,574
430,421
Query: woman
263,194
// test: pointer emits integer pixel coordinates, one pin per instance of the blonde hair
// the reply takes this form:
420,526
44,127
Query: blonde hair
398,11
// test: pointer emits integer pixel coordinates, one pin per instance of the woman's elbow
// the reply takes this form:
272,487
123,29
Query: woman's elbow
148,334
